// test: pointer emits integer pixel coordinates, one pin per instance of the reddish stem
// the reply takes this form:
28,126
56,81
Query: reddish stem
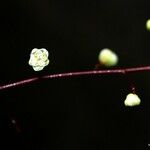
72,74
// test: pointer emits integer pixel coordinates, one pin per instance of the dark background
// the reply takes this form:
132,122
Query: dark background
81,112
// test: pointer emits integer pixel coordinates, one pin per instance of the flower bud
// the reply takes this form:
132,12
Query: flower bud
107,58
132,100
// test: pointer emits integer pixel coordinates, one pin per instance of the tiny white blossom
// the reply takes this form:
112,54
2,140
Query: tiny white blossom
132,100
107,57
38,59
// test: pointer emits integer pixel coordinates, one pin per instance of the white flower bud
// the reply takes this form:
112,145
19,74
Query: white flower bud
38,59
107,57
132,100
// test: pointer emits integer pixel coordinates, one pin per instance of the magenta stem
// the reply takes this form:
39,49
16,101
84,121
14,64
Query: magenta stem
80,73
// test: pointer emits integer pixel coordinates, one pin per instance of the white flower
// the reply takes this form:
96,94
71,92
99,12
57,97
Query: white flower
132,100
107,57
38,59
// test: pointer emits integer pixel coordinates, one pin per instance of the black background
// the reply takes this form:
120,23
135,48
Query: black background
81,112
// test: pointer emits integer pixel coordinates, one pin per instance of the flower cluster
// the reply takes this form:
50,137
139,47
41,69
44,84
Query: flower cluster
39,59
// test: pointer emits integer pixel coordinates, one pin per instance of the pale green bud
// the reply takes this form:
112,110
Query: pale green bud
132,100
148,24
107,57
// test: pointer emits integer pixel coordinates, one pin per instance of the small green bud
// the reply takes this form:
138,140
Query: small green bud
148,24
107,57
132,100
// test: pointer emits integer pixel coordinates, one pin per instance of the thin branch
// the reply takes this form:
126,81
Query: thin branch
15,84
81,73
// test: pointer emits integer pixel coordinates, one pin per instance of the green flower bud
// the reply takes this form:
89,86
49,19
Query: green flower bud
132,100
107,58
